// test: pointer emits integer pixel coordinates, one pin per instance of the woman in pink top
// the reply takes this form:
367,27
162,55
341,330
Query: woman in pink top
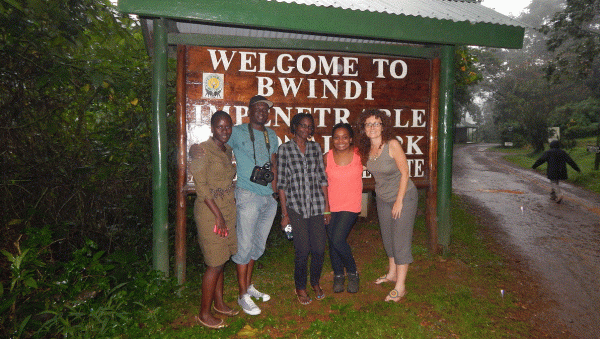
344,174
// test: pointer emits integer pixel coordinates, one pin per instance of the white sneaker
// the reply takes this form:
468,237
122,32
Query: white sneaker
257,294
248,305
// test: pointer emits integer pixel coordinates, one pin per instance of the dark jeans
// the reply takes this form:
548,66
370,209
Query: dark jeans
339,251
309,238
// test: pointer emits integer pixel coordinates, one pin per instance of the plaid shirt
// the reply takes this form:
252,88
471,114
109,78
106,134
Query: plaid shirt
302,177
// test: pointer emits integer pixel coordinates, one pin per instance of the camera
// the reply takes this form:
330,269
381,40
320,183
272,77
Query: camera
262,175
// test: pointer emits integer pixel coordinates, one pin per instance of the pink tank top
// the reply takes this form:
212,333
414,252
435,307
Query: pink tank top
345,184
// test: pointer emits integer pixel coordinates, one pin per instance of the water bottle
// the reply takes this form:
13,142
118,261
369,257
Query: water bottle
288,232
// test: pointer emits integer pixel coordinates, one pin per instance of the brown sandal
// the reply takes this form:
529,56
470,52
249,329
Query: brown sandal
303,299
217,326
319,294
230,313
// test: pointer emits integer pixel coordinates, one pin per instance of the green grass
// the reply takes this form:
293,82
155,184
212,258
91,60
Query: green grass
453,296
588,178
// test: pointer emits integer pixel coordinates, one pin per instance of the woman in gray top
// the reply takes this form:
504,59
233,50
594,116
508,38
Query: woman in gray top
396,195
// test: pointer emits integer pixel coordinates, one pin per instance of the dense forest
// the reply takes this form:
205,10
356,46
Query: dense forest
74,124
75,94
554,81
75,97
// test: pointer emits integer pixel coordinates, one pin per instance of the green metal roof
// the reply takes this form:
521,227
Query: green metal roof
437,22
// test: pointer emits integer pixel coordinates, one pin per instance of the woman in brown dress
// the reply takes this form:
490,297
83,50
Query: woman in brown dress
214,213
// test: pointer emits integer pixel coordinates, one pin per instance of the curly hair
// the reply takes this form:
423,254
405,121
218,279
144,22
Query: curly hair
296,121
362,140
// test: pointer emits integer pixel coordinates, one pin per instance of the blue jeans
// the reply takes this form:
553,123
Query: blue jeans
339,251
255,214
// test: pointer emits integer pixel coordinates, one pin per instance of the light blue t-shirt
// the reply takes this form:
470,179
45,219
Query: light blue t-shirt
244,156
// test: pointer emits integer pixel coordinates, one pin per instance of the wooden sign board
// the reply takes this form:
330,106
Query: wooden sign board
333,87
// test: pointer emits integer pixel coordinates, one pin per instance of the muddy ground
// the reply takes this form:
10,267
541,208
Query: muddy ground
551,251
555,245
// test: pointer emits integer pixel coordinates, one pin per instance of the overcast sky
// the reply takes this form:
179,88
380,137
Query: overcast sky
507,7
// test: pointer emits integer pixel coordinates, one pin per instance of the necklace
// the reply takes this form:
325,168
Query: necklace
378,152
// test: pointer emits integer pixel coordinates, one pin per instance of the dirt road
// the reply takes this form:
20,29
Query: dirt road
559,243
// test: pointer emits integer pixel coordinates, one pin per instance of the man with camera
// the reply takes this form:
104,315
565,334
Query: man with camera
255,147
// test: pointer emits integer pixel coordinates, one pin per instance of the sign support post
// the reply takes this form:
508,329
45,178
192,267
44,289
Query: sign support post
160,200
445,145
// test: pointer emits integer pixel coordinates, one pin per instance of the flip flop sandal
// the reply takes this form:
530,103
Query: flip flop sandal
395,296
303,299
383,279
319,293
230,313
215,327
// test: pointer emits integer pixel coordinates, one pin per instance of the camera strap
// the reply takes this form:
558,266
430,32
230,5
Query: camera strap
251,131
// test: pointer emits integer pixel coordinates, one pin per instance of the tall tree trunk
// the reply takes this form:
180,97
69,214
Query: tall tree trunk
597,159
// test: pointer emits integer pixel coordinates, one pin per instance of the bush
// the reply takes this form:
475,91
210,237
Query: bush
579,131
91,295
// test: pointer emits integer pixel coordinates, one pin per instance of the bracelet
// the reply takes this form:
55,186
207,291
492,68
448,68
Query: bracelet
326,213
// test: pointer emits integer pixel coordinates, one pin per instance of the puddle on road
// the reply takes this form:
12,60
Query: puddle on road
502,191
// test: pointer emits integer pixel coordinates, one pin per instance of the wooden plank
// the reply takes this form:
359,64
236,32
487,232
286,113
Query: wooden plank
181,206
431,200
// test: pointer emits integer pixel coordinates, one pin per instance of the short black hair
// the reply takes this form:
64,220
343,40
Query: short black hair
345,125
296,121
218,115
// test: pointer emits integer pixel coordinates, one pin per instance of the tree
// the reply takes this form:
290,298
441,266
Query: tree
523,101
466,76
517,109
574,35
578,119
74,111
516,83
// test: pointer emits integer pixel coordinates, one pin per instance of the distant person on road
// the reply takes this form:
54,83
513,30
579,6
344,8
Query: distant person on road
557,168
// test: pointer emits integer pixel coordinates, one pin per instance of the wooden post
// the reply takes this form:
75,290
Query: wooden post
431,219
180,220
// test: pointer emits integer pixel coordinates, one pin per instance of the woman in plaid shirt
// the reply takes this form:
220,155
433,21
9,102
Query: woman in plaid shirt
302,186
